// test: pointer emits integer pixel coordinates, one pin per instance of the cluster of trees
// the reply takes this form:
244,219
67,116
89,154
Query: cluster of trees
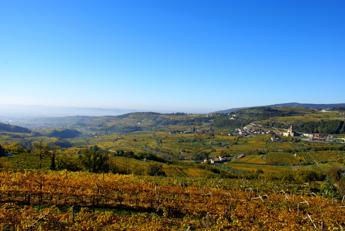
224,121
13,128
95,159
246,116
140,156
65,133
322,126
92,159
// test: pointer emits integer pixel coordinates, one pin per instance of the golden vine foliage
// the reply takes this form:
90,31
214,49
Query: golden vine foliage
144,205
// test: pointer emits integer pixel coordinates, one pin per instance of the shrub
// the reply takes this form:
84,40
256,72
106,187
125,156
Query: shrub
155,170
336,174
68,163
63,144
328,189
341,186
150,156
313,176
200,156
337,177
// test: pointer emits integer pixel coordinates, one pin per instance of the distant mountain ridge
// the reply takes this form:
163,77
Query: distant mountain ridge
293,104
311,106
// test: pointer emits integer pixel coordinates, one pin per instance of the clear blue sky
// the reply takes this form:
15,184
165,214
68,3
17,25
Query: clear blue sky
171,55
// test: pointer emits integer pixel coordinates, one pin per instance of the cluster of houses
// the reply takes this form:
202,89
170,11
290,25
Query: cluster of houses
217,160
220,159
252,129
312,137
191,131
255,129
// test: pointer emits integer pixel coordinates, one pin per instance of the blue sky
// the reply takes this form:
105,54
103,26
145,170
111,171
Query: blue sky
171,55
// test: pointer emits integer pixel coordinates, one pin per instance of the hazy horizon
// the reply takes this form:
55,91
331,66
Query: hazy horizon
9,112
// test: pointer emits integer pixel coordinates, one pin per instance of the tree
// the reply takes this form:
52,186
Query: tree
42,150
15,148
53,160
52,148
95,159
2,151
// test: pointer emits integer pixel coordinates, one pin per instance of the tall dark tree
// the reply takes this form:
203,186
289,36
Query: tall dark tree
53,161
53,148
2,151
42,150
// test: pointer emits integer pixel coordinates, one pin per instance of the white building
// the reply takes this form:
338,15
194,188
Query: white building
289,132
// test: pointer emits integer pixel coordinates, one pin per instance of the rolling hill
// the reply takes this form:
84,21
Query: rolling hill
13,128
307,117
131,122
292,105
312,106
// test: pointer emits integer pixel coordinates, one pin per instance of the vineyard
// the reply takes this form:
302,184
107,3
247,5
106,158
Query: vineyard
64,200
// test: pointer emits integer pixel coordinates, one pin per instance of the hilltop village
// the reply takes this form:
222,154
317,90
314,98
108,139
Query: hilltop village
279,134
